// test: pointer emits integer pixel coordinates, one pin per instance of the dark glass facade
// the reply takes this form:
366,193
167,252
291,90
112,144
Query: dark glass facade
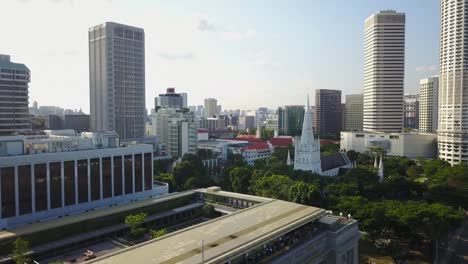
24,189
40,186
148,171
128,174
95,180
106,178
82,181
55,185
138,173
8,191
69,182
118,176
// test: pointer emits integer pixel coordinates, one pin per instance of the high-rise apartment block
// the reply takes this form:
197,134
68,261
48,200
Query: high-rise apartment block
117,79
411,111
384,65
290,120
353,112
177,130
170,99
428,104
14,85
211,107
328,111
453,83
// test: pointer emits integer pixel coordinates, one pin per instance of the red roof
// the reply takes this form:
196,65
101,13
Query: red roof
329,141
256,145
281,141
202,130
248,138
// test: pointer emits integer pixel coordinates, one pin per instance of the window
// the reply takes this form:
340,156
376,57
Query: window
24,188
138,173
148,171
95,180
40,182
106,177
82,181
55,184
128,165
8,192
117,176
69,182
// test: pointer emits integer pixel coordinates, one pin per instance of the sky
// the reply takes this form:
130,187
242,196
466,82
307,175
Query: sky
245,53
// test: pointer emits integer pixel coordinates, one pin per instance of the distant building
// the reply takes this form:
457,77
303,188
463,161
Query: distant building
411,145
211,107
170,99
219,109
246,122
307,152
428,104
411,111
328,115
177,130
117,80
79,123
54,122
384,65
14,88
58,174
184,99
290,120
353,112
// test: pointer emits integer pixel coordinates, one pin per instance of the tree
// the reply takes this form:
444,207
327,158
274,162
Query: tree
274,186
159,233
167,178
240,179
20,250
304,193
134,221
208,210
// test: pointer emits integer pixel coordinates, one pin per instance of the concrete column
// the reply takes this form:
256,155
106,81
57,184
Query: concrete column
133,172
89,180
48,185
62,173
100,177
33,191
75,163
112,175
16,192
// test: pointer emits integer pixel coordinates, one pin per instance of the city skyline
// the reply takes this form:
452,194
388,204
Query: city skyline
218,48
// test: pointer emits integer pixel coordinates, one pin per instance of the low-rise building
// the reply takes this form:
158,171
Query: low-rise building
61,173
411,145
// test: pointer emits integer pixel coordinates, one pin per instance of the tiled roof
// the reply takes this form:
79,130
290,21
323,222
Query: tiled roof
281,142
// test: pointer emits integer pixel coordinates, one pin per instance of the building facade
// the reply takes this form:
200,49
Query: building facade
117,80
429,104
384,64
353,112
290,120
177,130
210,107
170,99
48,176
14,99
328,111
411,111
453,83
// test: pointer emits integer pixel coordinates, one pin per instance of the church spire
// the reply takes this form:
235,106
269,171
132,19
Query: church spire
307,136
288,161
381,170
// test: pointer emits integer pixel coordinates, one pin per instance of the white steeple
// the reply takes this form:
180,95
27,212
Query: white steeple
288,161
380,172
307,136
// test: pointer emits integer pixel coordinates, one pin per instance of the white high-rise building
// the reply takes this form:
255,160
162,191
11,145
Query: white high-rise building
384,64
117,80
453,82
211,107
353,112
428,104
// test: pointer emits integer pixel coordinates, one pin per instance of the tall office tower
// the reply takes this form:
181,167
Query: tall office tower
211,107
184,100
170,99
452,131
290,119
411,111
353,112
428,104
117,79
14,105
328,113
384,65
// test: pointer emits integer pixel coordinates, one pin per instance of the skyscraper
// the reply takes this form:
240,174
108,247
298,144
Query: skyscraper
170,99
353,112
328,111
428,104
117,79
384,64
290,120
453,82
14,110
211,107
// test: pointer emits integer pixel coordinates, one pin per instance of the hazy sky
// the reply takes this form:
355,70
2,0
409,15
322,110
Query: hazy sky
245,53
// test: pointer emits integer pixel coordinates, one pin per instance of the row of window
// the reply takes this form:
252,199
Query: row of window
79,188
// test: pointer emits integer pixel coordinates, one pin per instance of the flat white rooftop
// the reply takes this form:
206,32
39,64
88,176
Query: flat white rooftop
223,237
